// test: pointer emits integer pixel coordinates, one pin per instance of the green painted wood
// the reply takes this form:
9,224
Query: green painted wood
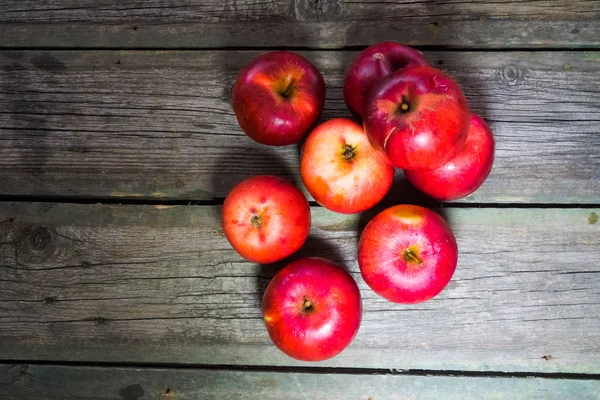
305,23
29,382
159,125
133,283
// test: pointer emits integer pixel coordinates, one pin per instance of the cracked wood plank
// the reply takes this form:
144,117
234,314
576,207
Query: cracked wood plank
133,283
159,125
304,23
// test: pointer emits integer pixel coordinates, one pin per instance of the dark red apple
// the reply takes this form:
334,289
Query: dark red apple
407,254
466,172
278,97
342,170
266,218
372,64
418,116
312,309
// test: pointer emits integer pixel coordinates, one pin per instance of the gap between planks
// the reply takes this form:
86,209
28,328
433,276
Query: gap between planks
431,48
310,370
219,201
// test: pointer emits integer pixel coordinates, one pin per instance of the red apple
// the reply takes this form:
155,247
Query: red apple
266,219
372,64
466,172
342,170
278,97
407,254
312,309
419,116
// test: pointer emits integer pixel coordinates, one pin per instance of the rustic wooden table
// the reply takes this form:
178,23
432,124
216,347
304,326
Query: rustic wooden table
118,144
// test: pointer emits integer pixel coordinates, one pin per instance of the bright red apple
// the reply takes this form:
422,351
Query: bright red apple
312,309
266,218
372,64
466,172
407,254
419,116
278,97
342,170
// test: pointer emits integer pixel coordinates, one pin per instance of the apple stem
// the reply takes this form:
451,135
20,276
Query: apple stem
348,152
404,106
307,305
255,221
409,255
288,89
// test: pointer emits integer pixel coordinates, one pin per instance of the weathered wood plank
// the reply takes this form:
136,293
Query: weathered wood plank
306,23
28,382
160,124
158,284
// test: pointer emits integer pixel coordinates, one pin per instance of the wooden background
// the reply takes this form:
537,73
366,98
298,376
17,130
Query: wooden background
118,144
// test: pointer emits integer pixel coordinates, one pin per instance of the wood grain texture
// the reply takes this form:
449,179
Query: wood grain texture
305,23
161,284
29,382
159,125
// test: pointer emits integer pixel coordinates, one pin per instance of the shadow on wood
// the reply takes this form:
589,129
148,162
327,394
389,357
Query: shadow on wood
314,247
473,83
402,192
222,183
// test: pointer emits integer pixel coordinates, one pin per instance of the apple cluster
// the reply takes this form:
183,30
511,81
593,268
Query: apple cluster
414,117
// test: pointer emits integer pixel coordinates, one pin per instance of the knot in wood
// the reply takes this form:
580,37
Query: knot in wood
40,239
37,247
318,10
512,75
